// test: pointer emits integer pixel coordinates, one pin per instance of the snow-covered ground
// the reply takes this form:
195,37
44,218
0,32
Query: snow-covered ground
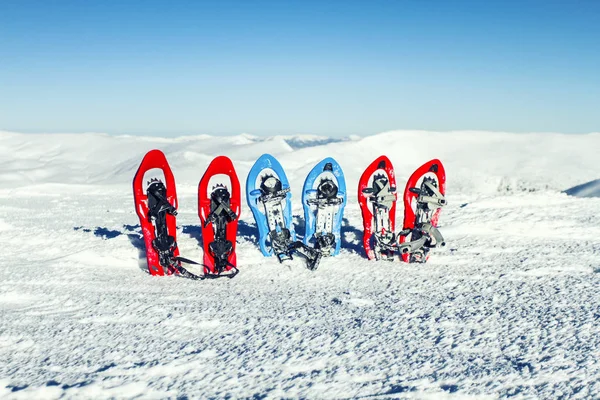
510,307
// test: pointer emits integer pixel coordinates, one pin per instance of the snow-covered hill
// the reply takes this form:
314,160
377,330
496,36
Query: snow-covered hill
509,307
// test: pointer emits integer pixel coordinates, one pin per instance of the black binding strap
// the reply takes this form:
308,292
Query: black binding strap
221,214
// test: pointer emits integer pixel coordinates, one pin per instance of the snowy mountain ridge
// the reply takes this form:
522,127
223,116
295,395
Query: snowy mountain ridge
499,161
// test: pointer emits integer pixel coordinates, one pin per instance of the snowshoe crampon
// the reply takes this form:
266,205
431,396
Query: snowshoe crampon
324,200
424,196
219,208
377,198
269,197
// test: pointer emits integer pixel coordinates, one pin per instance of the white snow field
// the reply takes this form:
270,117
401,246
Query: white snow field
510,307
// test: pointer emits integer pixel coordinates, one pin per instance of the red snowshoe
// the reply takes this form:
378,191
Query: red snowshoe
156,206
219,209
423,198
377,198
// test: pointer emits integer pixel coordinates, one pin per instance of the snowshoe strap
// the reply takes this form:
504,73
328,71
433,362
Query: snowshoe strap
387,241
164,244
384,201
184,272
382,185
325,242
221,250
273,197
326,202
283,247
312,256
284,256
186,260
385,246
413,246
173,264
187,274
230,274
427,232
217,212
162,204
434,233
437,199
280,241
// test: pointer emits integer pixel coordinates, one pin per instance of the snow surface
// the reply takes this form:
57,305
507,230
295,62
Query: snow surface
510,307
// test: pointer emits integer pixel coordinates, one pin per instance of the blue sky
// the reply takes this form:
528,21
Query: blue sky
321,67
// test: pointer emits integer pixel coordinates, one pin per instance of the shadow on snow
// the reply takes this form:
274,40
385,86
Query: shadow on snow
351,236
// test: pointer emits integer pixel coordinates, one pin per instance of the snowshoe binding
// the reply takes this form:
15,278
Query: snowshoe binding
158,208
325,199
220,215
381,197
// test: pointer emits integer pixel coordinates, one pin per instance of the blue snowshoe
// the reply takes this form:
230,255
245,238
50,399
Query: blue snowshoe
324,199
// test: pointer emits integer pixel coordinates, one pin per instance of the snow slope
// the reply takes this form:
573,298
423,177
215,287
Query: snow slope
510,307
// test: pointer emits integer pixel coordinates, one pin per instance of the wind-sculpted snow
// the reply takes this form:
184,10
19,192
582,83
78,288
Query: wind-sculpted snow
509,308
